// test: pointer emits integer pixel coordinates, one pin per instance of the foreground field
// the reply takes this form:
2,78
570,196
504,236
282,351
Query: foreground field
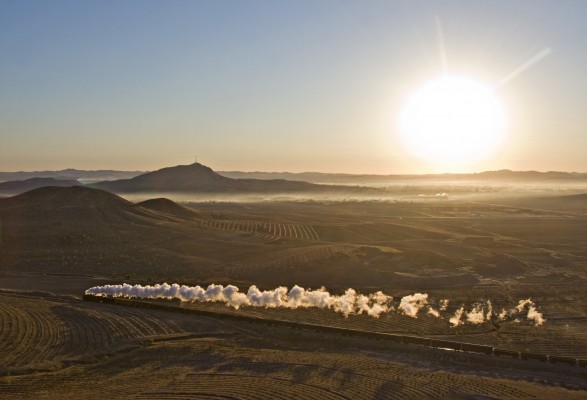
71,349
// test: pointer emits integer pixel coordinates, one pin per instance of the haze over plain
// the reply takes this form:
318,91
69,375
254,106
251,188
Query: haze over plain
296,86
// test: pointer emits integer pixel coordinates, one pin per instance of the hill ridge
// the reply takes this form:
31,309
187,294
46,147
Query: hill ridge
16,187
197,178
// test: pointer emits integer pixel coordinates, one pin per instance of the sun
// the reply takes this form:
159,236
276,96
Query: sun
453,121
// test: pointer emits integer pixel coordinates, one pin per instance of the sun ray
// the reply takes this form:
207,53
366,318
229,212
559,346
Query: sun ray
527,64
441,46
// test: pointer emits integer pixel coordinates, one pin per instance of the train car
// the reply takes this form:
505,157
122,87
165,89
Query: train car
445,344
391,337
508,353
416,340
533,356
363,334
563,360
476,348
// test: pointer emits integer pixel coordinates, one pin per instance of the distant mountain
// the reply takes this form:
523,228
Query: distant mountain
580,198
197,178
370,179
16,187
312,177
212,184
71,174
507,174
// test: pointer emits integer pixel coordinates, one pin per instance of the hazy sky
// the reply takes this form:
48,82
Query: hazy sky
278,85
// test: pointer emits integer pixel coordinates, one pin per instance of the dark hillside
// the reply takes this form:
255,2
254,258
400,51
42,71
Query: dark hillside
197,178
83,231
69,206
16,187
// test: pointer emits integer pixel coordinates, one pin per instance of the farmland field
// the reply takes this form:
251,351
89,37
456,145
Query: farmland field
54,345
74,349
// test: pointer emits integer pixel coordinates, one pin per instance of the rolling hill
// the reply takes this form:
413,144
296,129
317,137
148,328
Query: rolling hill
54,211
197,178
17,187
85,231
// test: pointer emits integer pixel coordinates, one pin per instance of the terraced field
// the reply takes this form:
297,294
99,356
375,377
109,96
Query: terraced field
30,334
270,230
296,256
310,376
63,348
44,334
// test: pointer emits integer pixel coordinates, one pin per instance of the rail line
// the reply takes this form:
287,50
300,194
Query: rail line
173,305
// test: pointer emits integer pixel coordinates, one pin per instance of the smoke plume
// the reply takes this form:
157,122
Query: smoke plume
457,318
349,303
480,313
410,305
533,313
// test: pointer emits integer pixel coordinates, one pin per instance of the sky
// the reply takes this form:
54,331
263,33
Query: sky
280,85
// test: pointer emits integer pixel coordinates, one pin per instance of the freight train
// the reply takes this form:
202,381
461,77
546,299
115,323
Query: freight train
174,305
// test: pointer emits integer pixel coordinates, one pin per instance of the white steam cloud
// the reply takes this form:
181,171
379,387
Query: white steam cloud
533,313
349,303
410,305
480,313
457,318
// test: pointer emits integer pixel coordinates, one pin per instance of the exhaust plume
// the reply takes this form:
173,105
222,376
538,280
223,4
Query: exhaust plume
476,315
349,303
533,313
457,318
480,313
410,305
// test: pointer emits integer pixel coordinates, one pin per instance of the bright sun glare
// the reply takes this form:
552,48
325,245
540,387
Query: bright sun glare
453,121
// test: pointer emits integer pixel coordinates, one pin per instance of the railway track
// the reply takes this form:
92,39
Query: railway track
174,306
